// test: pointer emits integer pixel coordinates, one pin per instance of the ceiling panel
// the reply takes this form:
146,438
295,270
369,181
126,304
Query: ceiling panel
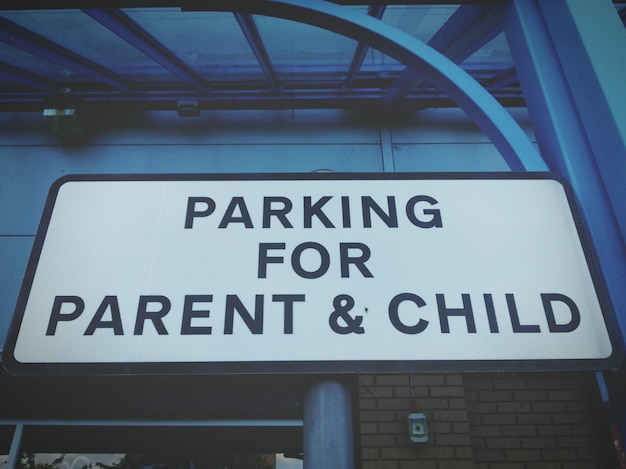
77,32
209,42
303,52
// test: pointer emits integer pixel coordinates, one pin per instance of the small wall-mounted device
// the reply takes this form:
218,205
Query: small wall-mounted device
188,109
418,430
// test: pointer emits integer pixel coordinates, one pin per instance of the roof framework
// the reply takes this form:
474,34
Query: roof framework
296,54
41,64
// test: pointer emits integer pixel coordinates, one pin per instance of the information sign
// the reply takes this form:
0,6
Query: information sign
310,273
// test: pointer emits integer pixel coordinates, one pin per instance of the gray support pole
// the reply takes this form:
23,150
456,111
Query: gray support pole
328,436
16,443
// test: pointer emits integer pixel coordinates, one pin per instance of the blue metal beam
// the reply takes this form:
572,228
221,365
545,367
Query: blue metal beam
496,122
16,445
375,11
25,78
251,32
597,33
17,36
122,25
466,31
322,98
502,80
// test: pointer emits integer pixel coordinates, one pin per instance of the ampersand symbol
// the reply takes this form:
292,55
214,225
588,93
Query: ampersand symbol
343,304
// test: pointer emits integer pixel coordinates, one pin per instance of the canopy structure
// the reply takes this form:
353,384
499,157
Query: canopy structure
191,56
237,54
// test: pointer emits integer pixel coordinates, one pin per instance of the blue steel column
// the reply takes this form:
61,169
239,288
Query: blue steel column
565,130
595,75
328,433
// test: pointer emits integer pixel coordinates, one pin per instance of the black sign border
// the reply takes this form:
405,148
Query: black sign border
13,366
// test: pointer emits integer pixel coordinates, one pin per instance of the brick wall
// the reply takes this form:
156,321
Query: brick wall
521,421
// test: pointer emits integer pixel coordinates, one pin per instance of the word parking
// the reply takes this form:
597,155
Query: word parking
276,212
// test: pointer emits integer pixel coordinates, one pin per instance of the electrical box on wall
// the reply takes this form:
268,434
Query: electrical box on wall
418,430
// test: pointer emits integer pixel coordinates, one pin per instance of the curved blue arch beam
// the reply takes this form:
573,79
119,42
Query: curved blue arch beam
481,107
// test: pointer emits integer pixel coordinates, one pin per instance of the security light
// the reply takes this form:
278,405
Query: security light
64,122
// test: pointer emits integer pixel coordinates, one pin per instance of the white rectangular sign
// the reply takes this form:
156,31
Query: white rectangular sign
301,273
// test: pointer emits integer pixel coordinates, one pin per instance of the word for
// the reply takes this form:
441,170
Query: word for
349,254
195,314
279,209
